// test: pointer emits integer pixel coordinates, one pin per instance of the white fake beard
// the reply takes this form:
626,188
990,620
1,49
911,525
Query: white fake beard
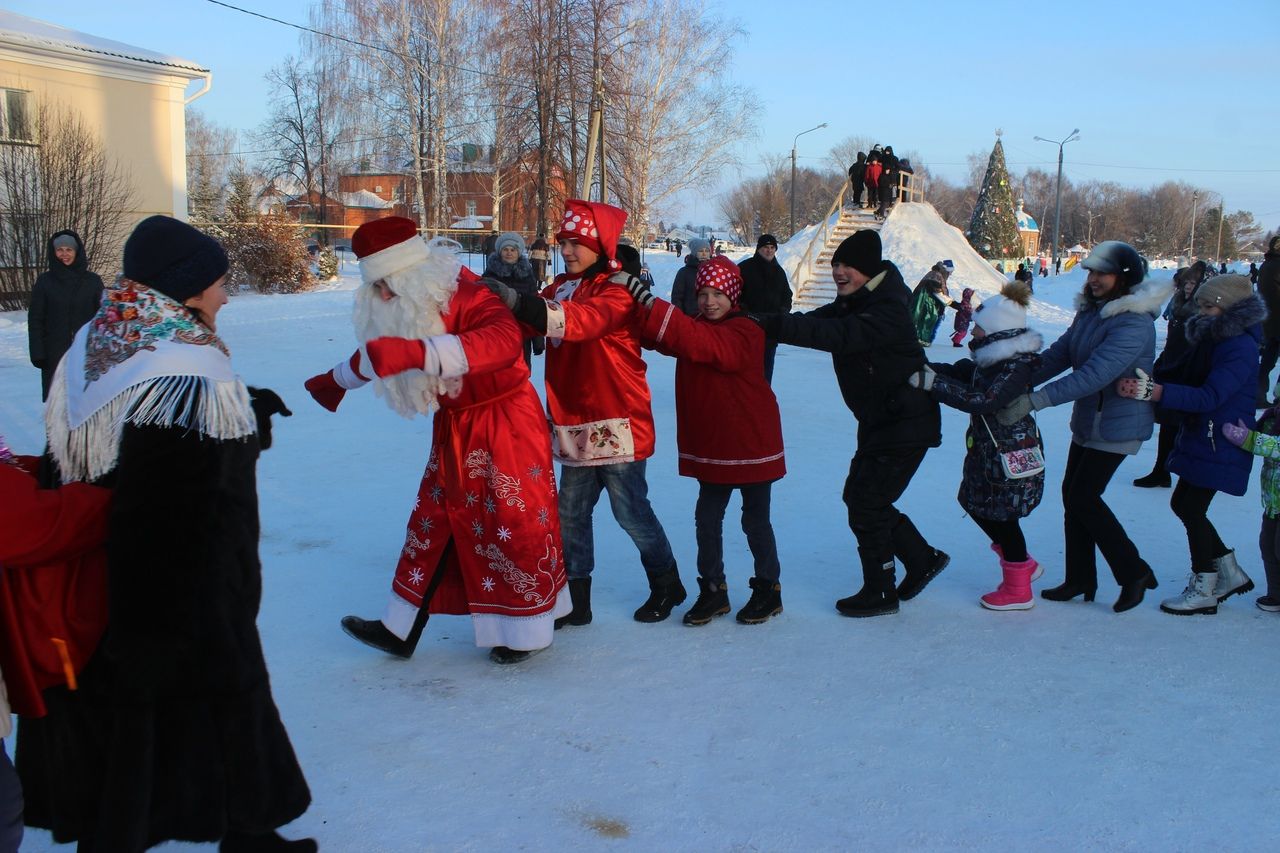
422,296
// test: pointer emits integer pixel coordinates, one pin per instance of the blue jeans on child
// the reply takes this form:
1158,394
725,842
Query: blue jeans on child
580,489
708,520
10,805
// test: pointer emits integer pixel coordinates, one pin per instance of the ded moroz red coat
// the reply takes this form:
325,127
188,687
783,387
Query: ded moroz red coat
728,428
597,393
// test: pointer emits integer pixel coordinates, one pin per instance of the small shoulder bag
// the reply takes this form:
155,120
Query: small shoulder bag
1020,462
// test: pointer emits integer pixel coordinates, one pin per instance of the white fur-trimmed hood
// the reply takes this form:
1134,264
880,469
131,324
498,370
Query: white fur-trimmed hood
1147,298
997,351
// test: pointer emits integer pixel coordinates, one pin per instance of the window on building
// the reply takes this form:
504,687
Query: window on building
15,116
471,208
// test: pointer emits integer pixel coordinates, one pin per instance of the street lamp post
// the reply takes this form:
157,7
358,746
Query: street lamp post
1191,250
1057,205
793,172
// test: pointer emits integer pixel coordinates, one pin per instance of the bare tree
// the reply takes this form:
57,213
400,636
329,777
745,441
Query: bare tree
65,180
211,154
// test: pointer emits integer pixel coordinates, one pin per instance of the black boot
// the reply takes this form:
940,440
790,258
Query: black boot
267,842
372,632
505,655
765,603
914,582
1069,590
665,592
1131,592
877,596
1155,480
921,562
713,601
580,594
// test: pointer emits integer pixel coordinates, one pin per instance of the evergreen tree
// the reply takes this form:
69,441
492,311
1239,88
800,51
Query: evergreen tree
993,228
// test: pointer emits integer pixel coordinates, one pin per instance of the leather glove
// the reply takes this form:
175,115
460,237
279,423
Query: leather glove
539,345
329,388
1238,434
639,291
509,295
922,378
391,356
1018,409
1142,388
38,363
771,323
266,403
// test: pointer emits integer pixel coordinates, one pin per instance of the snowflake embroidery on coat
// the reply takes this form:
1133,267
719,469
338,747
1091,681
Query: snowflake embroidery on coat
544,517
521,582
436,493
472,497
504,534
415,577
535,471
489,505
503,485
426,524
477,528
488,584
433,463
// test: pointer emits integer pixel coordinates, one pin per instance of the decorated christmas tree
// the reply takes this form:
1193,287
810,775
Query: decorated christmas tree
993,229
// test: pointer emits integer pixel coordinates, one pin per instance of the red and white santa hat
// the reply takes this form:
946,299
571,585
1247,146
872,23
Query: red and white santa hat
388,246
722,274
595,225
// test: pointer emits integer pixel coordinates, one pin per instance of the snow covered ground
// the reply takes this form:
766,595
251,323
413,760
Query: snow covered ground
945,727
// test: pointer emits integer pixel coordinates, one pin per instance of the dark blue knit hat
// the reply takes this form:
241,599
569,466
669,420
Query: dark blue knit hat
860,250
174,258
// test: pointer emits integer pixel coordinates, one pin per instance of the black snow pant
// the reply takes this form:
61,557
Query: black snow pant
876,479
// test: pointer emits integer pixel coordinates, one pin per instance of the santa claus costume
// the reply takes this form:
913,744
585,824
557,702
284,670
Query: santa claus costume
484,535
598,399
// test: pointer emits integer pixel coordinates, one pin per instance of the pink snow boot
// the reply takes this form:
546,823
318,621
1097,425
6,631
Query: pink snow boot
1014,592
1035,574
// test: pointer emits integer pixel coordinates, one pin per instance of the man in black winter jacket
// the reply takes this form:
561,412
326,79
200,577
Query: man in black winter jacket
873,346
1269,290
765,290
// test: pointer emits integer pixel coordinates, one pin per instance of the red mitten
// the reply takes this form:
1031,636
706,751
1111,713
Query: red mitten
391,356
328,389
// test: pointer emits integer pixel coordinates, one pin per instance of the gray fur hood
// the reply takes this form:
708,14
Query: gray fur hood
1148,297
1232,322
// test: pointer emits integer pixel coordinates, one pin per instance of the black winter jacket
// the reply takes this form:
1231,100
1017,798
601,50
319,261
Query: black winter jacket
63,300
874,349
684,290
764,286
1269,290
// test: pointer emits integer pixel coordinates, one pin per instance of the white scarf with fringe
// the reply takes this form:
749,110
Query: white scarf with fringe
142,360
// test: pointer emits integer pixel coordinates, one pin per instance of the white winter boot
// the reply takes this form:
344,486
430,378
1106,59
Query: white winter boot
1198,597
1231,578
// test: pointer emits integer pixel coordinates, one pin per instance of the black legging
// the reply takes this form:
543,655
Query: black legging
1164,446
1191,505
1089,525
1008,535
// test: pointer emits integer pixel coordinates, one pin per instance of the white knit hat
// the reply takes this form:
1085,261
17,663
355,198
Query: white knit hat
1007,310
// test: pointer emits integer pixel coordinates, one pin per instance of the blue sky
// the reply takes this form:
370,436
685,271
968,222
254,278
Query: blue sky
1160,90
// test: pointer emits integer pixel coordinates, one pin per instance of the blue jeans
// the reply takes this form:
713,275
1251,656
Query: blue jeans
580,489
708,520
10,805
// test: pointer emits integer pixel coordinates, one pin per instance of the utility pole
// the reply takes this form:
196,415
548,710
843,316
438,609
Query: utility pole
1191,252
1221,218
594,134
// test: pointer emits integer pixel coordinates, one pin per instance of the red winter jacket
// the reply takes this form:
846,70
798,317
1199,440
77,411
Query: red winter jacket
728,428
873,173
53,582
597,393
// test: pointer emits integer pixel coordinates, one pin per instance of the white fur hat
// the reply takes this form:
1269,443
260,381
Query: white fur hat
1007,310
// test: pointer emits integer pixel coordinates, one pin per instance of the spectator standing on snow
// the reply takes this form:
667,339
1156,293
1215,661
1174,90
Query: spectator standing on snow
857,178
539,255
928,303
1113,334
1269,290
1213,388
509,265
765,290
684,288
728,431
874,349
64,298
1181,308
1253,273
1005,355
964,314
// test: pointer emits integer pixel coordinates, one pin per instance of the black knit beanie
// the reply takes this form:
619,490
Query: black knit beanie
860,250
170,256
767,240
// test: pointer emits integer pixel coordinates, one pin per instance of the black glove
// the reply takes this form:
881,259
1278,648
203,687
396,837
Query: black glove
266,403
539,345
39,363
771,323
629,257
639,291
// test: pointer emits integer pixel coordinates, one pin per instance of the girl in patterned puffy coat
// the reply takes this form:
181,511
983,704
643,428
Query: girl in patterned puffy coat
1005,355
1265,442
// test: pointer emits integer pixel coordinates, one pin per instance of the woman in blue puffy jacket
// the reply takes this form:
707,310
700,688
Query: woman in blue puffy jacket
1211,386
1113,334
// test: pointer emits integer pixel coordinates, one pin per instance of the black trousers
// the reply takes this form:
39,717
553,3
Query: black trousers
1191,505
876,479
1089,525
1008,535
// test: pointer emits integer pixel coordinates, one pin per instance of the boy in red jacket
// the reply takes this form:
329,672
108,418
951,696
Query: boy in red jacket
728,430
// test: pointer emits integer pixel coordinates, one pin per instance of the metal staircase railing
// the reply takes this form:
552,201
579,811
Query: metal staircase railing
805,264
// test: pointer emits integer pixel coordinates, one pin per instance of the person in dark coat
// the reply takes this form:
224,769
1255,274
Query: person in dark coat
539,254
1005,356
873,346
188,743
765,290
857,174
509,265
684,290
1253,273
1180,309
1212,387
64,299
1269,290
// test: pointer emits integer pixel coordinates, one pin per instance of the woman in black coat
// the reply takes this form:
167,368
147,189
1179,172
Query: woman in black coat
180,737
510,265
63,300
